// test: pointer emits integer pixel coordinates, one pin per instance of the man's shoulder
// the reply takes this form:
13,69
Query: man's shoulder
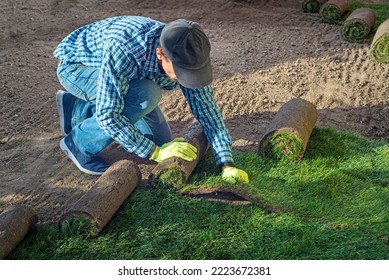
134,32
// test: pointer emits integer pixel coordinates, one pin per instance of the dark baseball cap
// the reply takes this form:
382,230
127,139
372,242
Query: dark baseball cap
186,45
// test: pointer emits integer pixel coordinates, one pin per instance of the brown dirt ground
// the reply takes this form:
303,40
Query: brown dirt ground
264,53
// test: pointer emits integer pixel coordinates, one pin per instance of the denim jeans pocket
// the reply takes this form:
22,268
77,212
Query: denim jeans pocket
79,80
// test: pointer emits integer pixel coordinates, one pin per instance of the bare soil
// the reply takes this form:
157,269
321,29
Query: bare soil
264,53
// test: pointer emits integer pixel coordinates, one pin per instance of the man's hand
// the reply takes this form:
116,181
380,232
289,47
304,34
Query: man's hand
233,175
176,148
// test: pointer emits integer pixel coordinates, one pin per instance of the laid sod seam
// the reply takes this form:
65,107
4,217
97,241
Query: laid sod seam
333,205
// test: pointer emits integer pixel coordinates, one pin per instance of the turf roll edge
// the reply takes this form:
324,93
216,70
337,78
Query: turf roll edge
174,172
379,48
88,216
288,133
15,222
358,25
312,6
332,10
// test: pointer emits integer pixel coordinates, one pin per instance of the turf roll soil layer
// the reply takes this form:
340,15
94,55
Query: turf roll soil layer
174,172
312,6
288,133
332,10
379,48
15,222
358,25
88,216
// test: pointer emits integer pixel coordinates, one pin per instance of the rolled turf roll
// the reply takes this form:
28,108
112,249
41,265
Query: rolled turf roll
174,172
288,133
88,216
358,25
312,6
15,222
332,10
379,48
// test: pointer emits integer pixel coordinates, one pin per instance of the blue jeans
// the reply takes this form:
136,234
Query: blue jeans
141,108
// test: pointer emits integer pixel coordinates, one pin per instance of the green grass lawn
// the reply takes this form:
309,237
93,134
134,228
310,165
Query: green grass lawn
333,204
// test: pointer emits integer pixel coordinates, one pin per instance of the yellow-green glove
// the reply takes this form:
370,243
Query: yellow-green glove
233,175
176,148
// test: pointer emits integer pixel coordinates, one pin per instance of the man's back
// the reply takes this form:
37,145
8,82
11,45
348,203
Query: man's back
86,44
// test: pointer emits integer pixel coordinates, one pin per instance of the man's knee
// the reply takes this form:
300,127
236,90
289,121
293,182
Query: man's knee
146,93
142,98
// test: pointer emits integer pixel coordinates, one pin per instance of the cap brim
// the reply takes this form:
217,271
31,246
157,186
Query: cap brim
194,78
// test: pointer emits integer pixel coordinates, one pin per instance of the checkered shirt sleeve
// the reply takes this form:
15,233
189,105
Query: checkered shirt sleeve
205,110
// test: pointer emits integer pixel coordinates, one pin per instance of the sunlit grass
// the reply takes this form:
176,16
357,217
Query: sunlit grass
333,205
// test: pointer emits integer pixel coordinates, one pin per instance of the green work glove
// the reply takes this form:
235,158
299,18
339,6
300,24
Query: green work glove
176,148
233,175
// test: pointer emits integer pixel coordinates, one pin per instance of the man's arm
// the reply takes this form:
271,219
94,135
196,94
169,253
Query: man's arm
206,111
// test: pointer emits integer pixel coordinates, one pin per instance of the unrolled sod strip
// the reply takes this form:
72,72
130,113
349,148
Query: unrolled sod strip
288,133
174,172
88,216
15,222
358,25
332,10
379,48
312,6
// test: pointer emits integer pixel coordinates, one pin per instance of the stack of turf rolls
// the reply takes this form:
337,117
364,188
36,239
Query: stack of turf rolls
312,6
379,48
332,10
358,25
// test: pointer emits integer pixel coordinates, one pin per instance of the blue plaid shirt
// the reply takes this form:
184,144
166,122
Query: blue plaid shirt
124,49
